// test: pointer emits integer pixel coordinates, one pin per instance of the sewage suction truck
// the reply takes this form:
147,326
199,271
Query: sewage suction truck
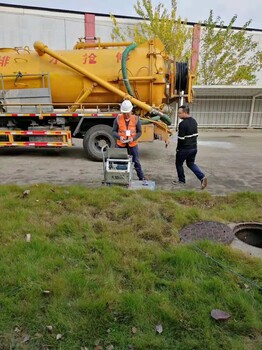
48,97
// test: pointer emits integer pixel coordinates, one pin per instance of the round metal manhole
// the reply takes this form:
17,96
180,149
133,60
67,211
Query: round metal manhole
249,233
211,230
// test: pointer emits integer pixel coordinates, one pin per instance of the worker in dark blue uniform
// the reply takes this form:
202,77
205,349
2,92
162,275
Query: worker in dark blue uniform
187,147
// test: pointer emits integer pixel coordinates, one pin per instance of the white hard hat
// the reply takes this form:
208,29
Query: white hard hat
126,106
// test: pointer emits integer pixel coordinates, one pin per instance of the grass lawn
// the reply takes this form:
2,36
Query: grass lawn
104,269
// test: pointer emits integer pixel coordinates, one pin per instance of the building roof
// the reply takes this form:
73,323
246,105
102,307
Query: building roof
227,90
44,8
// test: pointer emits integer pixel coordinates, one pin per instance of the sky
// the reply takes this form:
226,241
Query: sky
192,10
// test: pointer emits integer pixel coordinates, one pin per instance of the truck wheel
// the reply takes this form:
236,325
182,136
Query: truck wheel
95,138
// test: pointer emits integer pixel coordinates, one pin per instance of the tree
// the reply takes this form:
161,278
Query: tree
172,31
227,56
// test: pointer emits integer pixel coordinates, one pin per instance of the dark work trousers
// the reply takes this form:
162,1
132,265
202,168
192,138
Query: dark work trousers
133,151
189,156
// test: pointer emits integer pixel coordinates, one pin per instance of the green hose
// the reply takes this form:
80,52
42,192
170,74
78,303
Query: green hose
155,118
124,70
166,119
157,114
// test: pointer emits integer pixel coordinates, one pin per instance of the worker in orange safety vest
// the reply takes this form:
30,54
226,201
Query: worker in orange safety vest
127,130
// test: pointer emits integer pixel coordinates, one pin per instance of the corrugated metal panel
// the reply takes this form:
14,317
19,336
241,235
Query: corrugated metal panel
228,106
257,116
227,91
226,112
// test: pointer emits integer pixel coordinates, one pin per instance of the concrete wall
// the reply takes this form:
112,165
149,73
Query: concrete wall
22,27
59,30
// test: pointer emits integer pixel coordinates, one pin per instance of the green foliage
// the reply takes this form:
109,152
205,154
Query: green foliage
228,56
158,22
117,32
114,268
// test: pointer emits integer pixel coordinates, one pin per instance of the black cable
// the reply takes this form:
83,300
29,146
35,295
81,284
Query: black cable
227,268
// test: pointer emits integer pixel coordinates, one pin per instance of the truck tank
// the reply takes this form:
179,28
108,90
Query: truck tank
151,74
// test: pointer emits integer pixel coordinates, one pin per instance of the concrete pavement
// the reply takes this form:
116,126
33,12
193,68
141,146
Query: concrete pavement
231,159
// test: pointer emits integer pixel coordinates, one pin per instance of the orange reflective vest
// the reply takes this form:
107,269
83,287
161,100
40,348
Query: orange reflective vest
127,132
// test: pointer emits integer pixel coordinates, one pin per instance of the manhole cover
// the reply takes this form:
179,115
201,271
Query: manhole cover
249,233
212,230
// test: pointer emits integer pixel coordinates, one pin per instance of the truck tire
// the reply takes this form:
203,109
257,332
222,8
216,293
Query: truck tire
95,138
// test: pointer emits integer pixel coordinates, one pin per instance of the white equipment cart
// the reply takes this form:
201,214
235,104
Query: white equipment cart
117,165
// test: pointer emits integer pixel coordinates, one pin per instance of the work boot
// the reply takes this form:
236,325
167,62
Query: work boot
203,183
178,182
